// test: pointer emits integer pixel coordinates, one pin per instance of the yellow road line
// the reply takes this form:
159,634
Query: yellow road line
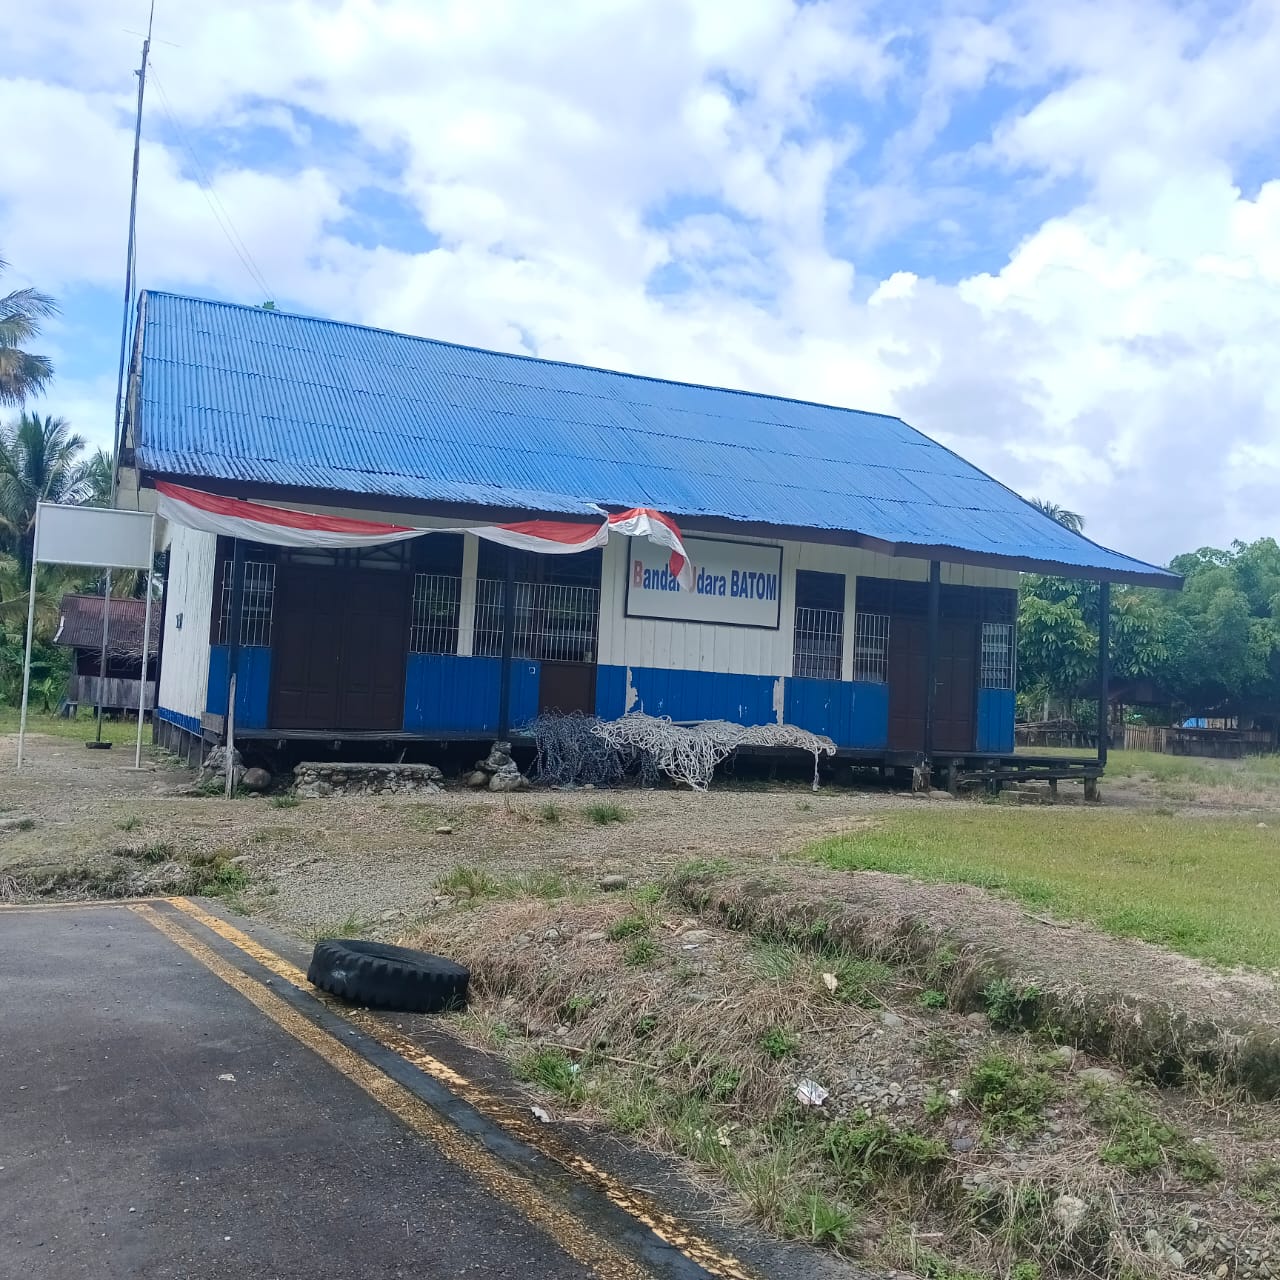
641,1207
564,1228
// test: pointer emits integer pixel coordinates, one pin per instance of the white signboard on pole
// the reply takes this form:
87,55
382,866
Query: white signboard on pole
100,537
735,583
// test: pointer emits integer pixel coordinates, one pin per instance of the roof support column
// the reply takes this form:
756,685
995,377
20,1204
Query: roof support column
931,659
508,644
233,655
1104,670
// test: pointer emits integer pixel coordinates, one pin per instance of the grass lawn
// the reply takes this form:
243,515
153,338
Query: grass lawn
1258,773
1206,887
81,730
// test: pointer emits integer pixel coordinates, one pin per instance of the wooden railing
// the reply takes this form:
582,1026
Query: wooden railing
1223,743
116,692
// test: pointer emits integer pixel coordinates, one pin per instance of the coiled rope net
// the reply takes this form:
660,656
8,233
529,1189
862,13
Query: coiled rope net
576,749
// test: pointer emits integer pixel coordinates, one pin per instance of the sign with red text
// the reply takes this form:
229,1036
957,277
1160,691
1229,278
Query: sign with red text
735,584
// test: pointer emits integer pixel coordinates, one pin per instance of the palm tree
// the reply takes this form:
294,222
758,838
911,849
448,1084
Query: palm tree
39,462
97,478
21,373
1072,520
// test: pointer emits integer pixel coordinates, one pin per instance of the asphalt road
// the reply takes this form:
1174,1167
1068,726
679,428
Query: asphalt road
156,1124
175,1103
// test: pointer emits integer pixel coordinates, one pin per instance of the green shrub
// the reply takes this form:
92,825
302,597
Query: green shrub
552,1068
778,1043
874,1150
641,951
629,926
604,812
1010,1095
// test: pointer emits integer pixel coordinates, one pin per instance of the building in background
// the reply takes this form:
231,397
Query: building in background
80,629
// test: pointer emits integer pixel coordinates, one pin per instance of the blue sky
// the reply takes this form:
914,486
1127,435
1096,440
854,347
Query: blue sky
1046,235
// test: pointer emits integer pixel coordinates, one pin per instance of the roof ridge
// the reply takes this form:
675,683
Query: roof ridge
519,355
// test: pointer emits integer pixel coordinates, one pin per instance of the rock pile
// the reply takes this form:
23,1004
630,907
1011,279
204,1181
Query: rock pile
312,779
497,771
215,766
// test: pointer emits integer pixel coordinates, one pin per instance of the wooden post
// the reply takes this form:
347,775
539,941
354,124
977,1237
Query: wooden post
165,561
931,660
102,655
233,649
1104,669
508,644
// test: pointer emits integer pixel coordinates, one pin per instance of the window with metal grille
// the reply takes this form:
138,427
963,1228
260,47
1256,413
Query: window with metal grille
256,603
871,647
997,655
433,624
818,646
553,621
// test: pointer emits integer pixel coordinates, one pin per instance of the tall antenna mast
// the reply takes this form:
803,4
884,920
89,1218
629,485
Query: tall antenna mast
130,261
117,442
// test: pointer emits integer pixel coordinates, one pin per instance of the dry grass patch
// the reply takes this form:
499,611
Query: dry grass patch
1000,1159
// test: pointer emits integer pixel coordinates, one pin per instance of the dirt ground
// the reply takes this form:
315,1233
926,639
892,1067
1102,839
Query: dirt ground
512,885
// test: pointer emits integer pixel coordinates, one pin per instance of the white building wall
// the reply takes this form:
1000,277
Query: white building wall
184,669
692,646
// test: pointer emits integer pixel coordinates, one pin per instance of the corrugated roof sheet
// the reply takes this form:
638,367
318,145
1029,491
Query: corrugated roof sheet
239,393
80,624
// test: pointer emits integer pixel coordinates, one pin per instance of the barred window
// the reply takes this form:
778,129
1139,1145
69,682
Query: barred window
256,604
433,626
819,644
871,647
997,655
553,622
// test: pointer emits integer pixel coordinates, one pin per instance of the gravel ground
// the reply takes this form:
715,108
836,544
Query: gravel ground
329,858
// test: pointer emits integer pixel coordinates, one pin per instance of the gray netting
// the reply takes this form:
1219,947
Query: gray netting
578,748
569,753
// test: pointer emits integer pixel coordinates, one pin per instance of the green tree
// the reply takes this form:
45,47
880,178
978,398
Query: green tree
1072,520
97,479
39,462
22,374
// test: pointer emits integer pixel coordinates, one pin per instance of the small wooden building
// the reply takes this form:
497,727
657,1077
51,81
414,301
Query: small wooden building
853,577
80,629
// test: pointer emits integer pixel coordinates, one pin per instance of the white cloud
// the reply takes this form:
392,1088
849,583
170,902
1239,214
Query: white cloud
1119,361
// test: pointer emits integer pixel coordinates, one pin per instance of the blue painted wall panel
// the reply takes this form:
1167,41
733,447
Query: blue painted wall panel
189,723
611,692
687,695
253,685
447,694
851,714
995,720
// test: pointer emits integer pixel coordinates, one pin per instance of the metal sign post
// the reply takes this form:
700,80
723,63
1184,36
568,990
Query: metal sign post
98,538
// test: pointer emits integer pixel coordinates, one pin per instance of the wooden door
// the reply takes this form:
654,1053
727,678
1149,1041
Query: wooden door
956,692
955,714
338,653
567,686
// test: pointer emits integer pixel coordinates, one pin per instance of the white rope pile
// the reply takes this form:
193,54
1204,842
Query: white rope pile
690,753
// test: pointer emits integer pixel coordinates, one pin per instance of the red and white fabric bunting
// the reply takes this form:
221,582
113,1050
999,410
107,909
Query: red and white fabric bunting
282,527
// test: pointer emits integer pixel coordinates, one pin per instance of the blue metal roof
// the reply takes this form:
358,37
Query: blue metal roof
237,393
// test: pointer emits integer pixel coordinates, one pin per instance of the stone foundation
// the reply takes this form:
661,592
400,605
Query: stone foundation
314,779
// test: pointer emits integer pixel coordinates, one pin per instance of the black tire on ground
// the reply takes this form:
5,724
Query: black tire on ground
386,977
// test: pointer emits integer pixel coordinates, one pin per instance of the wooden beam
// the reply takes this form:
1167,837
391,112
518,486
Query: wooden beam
508,644
237,613
1104,669
931,658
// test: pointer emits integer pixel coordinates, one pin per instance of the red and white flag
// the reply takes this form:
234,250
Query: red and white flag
282,527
